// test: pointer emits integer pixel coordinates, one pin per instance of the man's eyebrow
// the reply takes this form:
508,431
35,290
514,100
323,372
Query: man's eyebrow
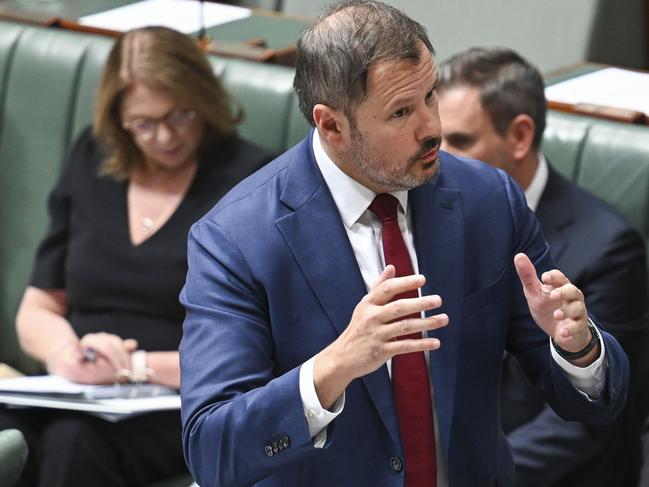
408,99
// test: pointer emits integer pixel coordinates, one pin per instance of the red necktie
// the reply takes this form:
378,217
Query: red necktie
410,382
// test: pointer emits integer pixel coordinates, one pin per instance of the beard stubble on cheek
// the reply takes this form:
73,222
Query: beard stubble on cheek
391,174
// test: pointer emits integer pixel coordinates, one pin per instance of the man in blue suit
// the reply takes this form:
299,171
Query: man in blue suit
297,332
493,108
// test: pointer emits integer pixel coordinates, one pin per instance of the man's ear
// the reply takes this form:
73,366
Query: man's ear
520,136
332,125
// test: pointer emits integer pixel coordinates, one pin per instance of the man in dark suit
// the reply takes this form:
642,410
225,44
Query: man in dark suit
493,108
348,305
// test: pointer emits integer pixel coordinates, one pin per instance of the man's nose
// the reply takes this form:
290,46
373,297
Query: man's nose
429,124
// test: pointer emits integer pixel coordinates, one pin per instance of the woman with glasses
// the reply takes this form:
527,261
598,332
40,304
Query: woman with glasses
102,305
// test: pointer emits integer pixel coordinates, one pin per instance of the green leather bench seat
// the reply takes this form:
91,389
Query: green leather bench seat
609,159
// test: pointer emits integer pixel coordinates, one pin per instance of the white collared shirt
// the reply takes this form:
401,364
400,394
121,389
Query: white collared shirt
536,187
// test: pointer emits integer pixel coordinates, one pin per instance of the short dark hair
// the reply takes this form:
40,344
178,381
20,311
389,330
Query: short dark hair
508,85
336,51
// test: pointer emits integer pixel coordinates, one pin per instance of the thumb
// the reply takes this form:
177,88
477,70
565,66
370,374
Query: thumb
527,274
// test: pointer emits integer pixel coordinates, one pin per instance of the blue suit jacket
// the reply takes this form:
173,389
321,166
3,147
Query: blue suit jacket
273,280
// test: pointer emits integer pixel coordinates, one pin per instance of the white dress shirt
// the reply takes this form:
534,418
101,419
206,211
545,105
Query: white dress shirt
364,231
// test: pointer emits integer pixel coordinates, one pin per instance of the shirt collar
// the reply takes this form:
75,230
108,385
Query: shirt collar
351,197
537,185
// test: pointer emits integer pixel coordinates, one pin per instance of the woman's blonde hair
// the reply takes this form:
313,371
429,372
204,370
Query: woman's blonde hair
165,59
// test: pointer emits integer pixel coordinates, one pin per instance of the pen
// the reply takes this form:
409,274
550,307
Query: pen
89,355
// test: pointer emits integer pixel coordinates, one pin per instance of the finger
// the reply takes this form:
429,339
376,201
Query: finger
527,274
130,344
388,273
568,293
554,278
110,346
413,325
400,347
388,289
100,372
572,330
408,306
572,311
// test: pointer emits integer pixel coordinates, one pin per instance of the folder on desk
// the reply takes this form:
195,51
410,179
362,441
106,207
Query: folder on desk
111,402
613,93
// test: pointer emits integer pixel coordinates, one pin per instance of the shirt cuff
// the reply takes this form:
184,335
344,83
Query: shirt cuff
317,417
588,380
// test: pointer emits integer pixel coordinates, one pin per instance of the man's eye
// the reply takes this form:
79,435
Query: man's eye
402,112
430,95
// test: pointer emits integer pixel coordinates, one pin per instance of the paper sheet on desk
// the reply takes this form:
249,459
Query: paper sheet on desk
112,403
108,409
182,15
608,87
57,386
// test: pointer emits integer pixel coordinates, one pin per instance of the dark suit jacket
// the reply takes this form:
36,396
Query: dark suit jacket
273,280
605,258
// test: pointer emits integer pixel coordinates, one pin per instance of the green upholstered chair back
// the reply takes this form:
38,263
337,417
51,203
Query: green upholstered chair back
616,168
265,93
609,159
563,141
48,82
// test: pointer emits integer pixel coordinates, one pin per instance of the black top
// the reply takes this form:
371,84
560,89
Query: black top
114,286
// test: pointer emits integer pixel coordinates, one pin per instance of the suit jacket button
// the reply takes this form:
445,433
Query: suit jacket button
285,441
269,450
396,464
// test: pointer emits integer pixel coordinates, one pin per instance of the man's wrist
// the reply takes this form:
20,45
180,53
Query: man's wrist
584,352
327,379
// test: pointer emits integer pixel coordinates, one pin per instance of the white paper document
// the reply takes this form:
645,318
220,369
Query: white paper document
186,16
109,402
608,87
57,386
108,409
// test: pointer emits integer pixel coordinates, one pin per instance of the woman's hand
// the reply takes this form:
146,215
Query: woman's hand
111,347
95,359
67,360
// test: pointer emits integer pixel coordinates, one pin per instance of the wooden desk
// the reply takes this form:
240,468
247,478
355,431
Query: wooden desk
598,111
264,36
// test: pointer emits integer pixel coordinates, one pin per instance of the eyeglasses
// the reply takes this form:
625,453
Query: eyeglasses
146,128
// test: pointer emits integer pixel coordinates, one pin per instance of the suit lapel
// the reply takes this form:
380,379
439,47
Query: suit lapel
439,236
318,241
555,214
